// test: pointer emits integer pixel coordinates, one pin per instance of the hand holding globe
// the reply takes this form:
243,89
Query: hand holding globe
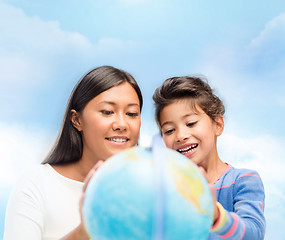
144,194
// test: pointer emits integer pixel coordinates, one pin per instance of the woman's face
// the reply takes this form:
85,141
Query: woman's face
110,122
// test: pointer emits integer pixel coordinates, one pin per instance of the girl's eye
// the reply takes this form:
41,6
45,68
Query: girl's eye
168,132
132,114
106,112
191,124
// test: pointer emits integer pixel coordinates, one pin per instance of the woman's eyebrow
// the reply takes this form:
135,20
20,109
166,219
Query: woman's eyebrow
113,103
133,104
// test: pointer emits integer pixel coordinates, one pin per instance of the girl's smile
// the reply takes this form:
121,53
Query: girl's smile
188,150
190,131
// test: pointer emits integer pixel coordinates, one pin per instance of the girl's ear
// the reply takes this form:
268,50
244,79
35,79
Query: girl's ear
219,121
75,119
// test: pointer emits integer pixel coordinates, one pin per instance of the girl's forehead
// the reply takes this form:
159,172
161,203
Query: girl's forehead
187,104
179,111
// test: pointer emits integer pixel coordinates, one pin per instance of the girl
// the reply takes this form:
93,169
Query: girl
101,119
190,118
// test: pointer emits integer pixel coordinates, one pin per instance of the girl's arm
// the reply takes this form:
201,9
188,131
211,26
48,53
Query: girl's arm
246,221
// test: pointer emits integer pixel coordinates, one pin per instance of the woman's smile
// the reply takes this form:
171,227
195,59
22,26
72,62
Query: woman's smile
120,140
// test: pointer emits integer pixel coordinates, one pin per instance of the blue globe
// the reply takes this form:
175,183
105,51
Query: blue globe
141,194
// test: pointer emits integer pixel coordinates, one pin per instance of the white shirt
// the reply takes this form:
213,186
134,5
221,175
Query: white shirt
44,205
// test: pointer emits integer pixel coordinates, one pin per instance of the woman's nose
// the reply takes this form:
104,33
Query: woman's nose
120,123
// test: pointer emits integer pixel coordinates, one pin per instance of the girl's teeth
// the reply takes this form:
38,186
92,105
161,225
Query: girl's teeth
187,149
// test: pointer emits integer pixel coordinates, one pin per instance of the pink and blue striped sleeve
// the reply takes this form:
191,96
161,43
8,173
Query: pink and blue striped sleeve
246,221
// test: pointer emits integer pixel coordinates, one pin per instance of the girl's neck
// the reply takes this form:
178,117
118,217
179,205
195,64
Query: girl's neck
214,170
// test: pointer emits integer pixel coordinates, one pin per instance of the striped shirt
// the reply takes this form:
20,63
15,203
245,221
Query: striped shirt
240,194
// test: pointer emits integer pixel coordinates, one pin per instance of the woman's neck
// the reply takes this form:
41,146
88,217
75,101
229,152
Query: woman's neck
75,170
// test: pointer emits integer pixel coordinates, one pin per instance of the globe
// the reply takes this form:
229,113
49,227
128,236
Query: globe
145,193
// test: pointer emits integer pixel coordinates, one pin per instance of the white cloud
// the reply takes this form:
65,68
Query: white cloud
265,53
33,50
272,35
39,58
147,132
21,147
31,47
253,76
263,153
20,71
23,34
258,65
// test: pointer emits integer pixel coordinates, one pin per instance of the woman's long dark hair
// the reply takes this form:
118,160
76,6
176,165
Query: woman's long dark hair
68,146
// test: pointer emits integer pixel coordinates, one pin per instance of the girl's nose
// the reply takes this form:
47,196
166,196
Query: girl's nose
182,135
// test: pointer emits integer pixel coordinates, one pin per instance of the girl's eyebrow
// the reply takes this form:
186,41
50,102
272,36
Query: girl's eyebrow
170,122
167,122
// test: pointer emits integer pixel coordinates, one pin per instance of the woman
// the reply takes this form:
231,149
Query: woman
101,119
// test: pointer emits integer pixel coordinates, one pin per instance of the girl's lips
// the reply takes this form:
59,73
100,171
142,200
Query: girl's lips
188,150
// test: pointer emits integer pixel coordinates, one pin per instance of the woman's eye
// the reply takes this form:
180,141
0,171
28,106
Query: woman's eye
191,124
132,114
106,112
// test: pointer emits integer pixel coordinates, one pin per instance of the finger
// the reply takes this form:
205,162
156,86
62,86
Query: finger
98,164
91,173
202,170
213,192
81,201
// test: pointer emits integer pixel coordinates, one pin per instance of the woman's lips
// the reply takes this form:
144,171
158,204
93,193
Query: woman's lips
118,139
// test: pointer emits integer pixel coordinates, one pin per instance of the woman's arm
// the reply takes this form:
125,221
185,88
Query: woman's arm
80,232
24,215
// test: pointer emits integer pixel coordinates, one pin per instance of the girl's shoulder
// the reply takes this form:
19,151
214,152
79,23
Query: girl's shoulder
240,182
236,176
241,178
237,173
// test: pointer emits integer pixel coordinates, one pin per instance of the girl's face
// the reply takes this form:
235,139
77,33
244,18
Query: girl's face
191,132
110,122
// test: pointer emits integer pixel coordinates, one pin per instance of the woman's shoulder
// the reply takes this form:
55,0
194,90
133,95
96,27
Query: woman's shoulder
30,185
37,172
44,174
32,177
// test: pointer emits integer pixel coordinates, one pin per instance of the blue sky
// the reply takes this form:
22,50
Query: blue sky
46,46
